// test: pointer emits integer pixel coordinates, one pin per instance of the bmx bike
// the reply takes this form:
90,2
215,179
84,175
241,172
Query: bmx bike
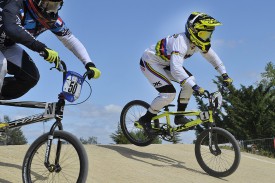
216,150
56,156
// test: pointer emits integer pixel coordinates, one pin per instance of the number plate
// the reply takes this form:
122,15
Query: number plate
72,86
204,116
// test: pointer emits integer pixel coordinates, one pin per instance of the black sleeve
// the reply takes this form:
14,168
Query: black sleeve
13,28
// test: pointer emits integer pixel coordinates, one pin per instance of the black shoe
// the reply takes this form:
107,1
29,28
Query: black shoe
145,123
180,120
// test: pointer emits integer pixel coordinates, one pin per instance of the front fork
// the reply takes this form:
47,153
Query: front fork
213,141
58,116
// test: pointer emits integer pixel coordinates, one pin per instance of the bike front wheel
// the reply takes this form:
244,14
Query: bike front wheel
217,152
129,123
68,161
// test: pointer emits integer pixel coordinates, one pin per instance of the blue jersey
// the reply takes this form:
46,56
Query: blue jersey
35,27
19,25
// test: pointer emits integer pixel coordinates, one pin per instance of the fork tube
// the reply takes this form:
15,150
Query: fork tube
211,125
210,138
48,150
58,151
58,116
168,119
54,126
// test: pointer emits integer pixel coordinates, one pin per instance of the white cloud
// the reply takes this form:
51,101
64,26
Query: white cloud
85,120
113,108
93,111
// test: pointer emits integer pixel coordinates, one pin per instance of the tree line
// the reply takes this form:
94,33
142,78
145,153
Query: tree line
15,136
247,112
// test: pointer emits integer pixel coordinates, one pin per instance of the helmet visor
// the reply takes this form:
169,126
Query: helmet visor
205,35
50,6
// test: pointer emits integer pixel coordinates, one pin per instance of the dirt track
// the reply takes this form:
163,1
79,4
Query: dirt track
155,163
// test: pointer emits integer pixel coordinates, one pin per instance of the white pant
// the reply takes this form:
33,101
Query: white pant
160,77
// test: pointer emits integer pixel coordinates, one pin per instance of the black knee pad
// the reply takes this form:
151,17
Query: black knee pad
167,89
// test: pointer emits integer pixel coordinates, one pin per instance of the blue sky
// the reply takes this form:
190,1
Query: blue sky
116,33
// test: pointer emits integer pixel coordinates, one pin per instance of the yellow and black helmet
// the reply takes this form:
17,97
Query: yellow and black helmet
199,28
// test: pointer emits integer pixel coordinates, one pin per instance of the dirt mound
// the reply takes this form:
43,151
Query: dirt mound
155,163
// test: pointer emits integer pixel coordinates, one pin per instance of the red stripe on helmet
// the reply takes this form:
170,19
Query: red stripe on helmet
40,17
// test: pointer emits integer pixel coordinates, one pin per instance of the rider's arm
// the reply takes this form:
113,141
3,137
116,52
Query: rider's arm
78,49
214,59
70,41
12,15
176,62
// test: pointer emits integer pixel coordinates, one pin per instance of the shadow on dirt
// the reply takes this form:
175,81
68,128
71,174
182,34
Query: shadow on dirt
4,181
160,160
11,166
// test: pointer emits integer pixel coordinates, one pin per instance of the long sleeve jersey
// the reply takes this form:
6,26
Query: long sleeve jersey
19,25
174,50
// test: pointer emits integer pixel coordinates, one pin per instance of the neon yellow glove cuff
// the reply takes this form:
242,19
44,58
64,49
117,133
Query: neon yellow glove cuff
96,71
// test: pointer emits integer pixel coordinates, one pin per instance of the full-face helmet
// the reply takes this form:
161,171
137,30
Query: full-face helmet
199,28
45,10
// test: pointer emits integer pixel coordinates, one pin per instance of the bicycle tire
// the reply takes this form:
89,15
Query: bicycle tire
226,154
131,112
32,174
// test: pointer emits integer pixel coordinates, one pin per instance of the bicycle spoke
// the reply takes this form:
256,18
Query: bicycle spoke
129,116
222,157
69,163
221,162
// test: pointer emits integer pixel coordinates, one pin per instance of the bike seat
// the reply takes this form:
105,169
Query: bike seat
166,108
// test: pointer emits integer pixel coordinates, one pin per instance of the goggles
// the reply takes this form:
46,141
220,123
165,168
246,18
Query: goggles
205,35
50,6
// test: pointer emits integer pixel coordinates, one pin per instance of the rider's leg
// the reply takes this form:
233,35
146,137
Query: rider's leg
161,82
183,99
25,73
157,104
3,71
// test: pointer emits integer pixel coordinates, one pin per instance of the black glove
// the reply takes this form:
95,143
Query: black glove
198,90
226,80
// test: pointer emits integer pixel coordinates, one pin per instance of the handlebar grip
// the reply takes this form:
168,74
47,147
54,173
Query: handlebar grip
90,74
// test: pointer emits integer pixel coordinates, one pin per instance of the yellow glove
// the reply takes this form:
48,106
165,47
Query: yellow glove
198,90
52,56
95,72
226,79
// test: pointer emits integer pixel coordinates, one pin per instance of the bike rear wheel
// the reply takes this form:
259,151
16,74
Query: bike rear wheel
73,161
220,159
129,116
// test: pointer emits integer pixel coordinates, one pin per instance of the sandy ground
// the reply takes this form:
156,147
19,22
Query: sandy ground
152,164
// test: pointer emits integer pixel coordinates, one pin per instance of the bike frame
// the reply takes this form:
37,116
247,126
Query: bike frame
204,116
52,110
48,114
